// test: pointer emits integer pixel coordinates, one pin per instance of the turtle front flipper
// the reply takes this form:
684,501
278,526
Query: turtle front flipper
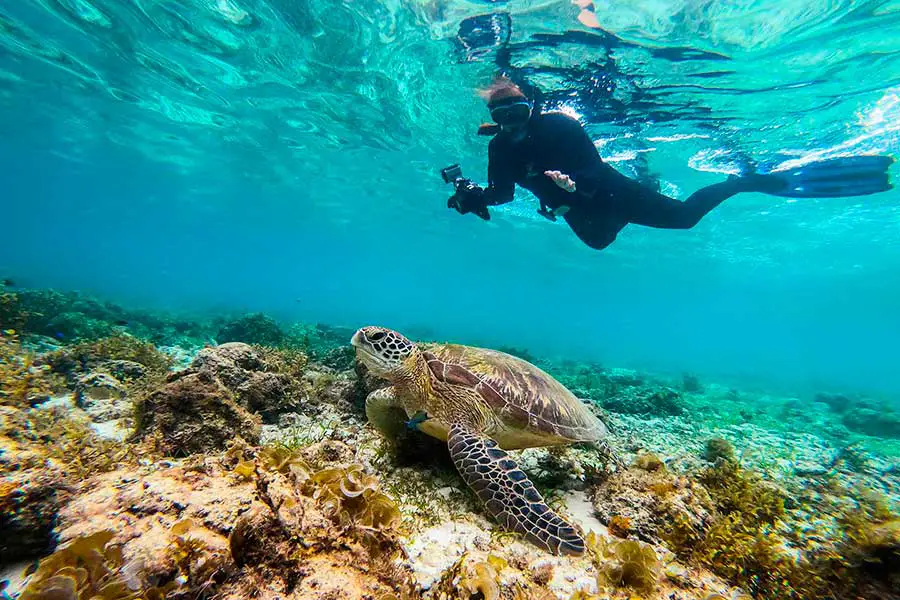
508,494
385,412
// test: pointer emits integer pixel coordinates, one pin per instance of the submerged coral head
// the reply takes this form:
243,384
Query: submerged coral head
382,350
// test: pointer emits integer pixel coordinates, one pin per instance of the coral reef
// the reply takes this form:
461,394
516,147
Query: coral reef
88,567
648,498
22,381
265,381
227,391
252,472
690,383
255,328
28,505
646,401
193,413
879,422
123,356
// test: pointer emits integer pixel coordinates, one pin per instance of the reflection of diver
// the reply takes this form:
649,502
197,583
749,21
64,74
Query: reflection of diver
552,156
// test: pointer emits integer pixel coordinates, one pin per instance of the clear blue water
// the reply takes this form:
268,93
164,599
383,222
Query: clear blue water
284,156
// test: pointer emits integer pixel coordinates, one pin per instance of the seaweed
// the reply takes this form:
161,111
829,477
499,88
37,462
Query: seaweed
68,442
736,490
740,544
117,347
718,449
466,579
624,563
862,559
482,579
23,383
86,569
290,361
865,562
352,499
12,314
649,462
200,564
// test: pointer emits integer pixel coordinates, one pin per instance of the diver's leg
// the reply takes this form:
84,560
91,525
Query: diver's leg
646,207
594,228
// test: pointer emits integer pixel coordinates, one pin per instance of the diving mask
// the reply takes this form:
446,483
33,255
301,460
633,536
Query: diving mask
512,111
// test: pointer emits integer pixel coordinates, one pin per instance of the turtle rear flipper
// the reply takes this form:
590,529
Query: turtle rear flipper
508,494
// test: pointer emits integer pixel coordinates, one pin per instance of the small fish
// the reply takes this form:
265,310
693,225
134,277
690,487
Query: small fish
9,332
8,283
59,335
120,322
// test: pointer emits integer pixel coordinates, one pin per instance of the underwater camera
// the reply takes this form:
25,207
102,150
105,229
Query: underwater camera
467,193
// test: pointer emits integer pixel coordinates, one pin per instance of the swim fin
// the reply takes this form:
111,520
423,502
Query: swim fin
836,178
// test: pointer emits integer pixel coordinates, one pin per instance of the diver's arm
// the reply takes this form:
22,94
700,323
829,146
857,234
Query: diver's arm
501,185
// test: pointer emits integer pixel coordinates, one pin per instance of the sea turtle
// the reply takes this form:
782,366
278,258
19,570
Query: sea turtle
481,402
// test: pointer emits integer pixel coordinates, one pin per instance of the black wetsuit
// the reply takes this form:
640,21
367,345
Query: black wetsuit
605,201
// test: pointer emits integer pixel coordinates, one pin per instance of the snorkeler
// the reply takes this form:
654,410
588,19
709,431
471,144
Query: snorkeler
551,155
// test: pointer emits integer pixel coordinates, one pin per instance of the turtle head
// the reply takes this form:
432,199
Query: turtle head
384,351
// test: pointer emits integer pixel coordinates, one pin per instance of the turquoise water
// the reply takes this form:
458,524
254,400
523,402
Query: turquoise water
284,156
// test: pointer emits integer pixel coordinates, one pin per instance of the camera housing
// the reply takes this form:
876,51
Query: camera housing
462,187
451,173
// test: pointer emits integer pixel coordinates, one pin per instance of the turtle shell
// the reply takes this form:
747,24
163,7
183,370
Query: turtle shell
524,397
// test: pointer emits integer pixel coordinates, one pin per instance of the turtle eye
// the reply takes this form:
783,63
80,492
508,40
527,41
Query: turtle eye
376,336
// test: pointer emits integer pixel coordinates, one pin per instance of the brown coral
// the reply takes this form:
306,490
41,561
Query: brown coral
619,526
194,413
651,501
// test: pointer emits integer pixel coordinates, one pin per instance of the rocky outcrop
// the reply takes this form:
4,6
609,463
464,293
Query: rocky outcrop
642,503
257,385
651,401
102,397
194,412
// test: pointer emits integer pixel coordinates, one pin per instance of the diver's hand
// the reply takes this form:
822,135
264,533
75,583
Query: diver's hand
563,181
469,198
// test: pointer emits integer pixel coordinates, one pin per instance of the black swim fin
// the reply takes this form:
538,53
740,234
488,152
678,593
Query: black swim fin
836,178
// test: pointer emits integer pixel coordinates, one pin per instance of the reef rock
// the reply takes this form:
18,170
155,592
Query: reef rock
642,503
193,413
102,397
257,386
256,328
29,503
187,531
879,423
232,362
654,401
124,370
